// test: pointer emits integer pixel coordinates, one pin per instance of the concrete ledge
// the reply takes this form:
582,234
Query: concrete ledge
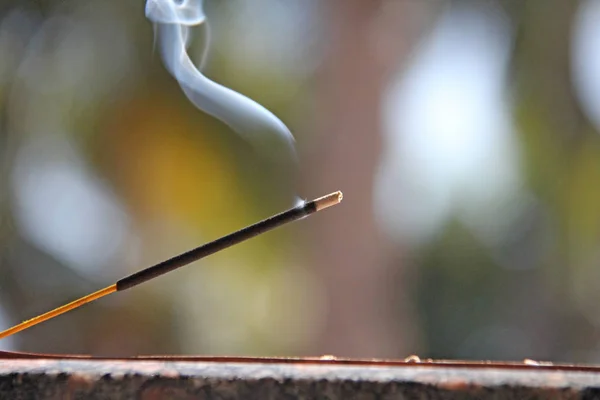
222,378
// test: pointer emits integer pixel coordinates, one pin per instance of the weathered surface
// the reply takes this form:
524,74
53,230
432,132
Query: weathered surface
38,378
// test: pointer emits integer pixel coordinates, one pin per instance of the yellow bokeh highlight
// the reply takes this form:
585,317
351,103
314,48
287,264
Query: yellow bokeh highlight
169,165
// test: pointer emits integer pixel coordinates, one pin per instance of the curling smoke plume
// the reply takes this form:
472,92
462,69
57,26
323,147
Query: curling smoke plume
173,20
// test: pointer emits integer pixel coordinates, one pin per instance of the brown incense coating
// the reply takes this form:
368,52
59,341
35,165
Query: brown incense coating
196,254
217,245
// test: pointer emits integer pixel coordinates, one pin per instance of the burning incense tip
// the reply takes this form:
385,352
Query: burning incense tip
296,213
329,200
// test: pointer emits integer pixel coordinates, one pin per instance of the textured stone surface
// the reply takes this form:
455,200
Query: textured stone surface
212,378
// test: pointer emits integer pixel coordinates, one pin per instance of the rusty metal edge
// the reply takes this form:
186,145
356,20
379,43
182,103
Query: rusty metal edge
325,360
185,377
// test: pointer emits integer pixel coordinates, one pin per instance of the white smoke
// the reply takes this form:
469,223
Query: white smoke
173,20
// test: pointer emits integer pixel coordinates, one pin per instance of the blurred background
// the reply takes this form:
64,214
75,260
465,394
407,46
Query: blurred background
464,135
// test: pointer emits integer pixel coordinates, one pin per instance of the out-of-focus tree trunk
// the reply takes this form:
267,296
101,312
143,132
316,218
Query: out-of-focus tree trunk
350,252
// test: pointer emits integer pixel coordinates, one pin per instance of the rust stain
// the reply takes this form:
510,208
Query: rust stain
41,358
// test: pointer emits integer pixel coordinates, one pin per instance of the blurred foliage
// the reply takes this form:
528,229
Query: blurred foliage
471,306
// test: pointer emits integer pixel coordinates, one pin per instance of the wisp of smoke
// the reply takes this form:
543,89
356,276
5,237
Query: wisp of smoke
173,20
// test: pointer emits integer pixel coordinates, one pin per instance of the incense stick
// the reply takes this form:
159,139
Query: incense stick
181,260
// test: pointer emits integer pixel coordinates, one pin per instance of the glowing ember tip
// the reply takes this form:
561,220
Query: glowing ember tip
329,200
